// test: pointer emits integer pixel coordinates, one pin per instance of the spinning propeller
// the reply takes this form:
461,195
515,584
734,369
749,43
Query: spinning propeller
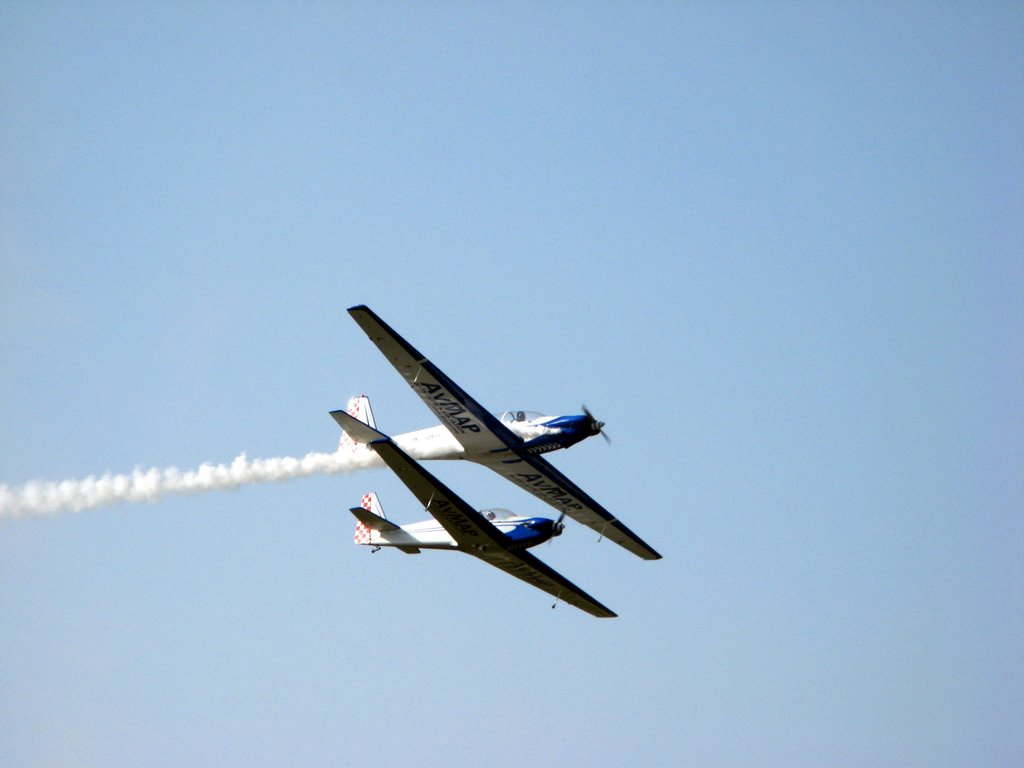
557,528
596,427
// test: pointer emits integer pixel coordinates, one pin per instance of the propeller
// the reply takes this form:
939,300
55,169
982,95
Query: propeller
596,427
557,528
559,525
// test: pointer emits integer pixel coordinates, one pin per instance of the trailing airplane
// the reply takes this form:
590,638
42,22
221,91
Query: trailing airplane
495,536
511,444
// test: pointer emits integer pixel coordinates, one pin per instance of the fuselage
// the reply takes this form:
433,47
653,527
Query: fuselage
540,434
547,433
520,532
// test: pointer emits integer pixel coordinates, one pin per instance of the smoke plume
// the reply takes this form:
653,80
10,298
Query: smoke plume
50,498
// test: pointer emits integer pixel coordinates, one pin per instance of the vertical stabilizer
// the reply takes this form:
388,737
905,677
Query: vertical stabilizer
371,503
370,518
362,534
358,408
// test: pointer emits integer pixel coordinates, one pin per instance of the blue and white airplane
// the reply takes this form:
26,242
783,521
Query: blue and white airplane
494,536
511,444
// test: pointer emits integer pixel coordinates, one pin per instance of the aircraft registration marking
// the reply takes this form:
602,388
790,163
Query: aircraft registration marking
446,406
443,508
541,486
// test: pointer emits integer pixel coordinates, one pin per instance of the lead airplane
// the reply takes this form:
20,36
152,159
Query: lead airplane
494,536
510,445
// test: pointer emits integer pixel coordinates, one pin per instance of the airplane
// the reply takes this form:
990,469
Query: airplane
511,444
495,536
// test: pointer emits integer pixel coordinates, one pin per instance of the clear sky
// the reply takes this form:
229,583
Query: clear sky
779,250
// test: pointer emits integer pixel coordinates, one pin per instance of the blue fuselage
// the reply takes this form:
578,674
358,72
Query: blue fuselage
569,431
530,532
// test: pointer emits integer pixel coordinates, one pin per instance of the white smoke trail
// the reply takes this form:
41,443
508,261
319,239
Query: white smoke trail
48,498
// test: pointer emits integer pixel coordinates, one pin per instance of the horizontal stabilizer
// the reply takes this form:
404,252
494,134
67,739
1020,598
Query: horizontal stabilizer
372,521
357,430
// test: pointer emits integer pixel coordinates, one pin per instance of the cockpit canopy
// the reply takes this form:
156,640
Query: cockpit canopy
497,514
509,417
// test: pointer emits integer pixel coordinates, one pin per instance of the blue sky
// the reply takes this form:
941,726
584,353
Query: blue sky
779,250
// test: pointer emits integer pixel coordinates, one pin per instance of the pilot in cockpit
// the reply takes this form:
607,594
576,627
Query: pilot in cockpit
512,417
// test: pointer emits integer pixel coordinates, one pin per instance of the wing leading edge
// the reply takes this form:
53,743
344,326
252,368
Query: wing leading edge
476,536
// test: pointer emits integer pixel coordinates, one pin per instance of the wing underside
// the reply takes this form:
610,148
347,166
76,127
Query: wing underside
538,476
476,536
528,568
475,428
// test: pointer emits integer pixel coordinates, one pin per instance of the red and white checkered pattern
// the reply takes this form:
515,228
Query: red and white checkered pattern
347,443
362,535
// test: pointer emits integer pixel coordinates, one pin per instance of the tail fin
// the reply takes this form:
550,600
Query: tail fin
359,409
369,518
371,523
371,503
